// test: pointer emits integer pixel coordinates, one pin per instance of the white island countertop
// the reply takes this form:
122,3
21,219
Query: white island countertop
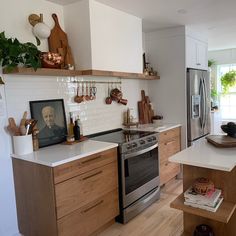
204,154
60,154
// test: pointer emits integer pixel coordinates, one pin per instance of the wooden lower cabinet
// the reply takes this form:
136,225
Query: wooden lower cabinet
74,199
91,217
169,144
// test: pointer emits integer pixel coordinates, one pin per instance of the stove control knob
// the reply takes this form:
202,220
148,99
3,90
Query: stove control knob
134,145
149,139
129,146
154,138
142,142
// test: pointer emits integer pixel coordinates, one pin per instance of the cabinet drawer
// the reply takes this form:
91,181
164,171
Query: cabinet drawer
80,190
74,168
91,217
168,170
169,134
168,148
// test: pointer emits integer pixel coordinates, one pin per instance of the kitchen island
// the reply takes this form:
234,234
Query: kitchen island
218,165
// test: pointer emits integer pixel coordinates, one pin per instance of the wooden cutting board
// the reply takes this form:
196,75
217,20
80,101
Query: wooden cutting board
145,109
58,42
222,141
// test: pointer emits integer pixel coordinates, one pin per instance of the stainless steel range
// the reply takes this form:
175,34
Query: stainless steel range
139,184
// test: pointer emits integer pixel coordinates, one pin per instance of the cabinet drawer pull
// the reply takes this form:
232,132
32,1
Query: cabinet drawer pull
167,143
90,176
91,159
90,208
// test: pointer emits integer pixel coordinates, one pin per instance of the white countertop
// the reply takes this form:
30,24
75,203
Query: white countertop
204,154
155,127
60,154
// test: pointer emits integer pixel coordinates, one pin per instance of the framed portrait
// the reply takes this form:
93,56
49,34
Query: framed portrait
51,118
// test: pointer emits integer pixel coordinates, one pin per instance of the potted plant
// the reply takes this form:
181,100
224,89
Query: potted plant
13,53
228,80
211,62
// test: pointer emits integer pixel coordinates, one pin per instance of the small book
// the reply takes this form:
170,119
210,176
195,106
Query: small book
205,207
209,199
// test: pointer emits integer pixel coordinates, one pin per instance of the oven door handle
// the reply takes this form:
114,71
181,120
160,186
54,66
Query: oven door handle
127,156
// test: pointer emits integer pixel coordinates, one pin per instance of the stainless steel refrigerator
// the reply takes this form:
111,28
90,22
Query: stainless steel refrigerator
198,104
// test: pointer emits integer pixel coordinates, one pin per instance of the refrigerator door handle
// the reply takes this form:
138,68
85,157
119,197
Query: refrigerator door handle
204,103
201,103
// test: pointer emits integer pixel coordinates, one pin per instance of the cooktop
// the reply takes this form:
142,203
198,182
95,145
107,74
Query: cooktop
121,136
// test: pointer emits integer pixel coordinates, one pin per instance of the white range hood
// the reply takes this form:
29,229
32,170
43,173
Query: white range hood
103,38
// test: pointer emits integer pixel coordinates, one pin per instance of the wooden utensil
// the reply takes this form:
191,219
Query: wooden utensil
58,42
12,128
22,124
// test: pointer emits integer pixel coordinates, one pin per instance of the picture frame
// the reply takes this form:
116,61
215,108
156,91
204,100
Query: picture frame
51,121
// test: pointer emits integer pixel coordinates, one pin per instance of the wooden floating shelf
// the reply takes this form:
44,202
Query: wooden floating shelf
223,213
73,73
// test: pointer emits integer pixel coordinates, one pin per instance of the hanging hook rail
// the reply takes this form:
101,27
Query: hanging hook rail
97,82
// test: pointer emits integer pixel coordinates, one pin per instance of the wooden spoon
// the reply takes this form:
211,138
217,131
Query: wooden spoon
22,124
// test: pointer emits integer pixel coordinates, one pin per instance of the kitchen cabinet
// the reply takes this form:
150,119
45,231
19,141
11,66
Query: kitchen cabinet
76,198
196,54
169,144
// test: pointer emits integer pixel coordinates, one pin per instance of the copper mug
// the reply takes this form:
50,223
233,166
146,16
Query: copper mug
123,101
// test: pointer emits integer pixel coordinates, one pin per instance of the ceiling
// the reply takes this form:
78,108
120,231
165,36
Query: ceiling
217,17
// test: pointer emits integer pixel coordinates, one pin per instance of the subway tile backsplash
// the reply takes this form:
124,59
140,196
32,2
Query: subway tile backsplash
95,115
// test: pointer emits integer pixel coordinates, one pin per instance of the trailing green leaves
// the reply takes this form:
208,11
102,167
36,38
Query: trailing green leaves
228,81
13,53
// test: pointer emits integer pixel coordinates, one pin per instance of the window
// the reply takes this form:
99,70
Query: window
228,101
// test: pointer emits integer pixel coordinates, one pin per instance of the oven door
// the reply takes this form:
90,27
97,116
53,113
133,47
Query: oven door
140,173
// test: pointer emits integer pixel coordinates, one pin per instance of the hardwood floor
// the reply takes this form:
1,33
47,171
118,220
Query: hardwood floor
158,219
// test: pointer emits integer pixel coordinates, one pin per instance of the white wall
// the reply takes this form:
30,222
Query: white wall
166,52
226,56
14,21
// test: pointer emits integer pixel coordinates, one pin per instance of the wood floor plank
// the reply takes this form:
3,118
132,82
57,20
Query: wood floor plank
158,219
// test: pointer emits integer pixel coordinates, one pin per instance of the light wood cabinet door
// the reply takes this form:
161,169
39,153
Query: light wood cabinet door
80,190
168,171
169,144
169,148
168,135
83,165
91,217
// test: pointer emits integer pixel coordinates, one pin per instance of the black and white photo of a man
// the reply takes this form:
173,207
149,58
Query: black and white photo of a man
51,131
51,121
